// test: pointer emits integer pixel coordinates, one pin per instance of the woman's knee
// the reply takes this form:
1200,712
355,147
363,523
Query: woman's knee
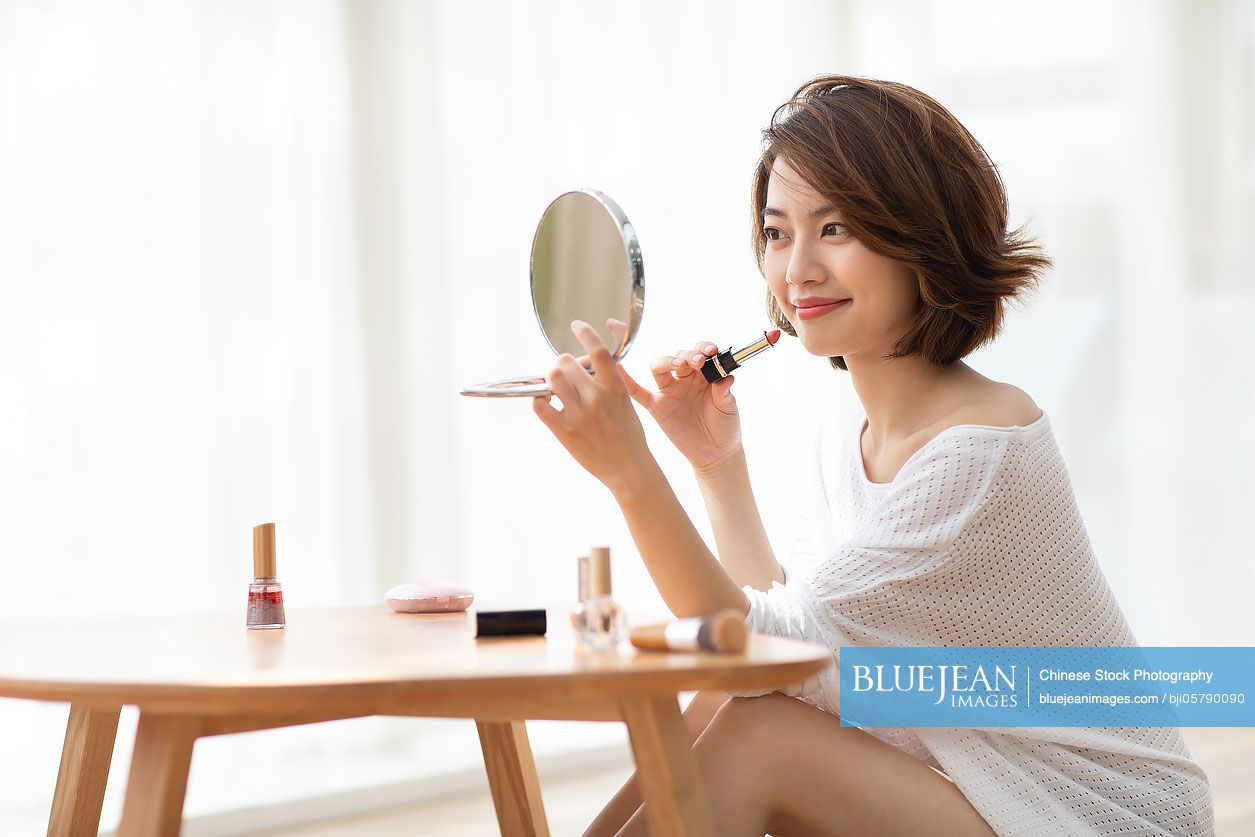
754,725
746,718
700,711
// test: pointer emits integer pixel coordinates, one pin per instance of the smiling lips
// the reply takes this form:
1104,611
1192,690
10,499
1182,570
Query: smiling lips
809,309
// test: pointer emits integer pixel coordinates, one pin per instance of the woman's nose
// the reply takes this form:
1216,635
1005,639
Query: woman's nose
803,268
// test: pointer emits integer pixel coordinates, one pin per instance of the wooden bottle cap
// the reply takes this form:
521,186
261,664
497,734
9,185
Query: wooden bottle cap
599,571
264,550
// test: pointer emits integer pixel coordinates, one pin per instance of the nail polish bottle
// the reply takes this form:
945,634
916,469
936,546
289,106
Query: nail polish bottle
265,596
604,623
577,612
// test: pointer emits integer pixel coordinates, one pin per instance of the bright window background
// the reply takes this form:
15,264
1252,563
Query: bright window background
249,251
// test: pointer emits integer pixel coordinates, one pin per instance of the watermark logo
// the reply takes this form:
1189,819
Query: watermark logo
963,685
1047,686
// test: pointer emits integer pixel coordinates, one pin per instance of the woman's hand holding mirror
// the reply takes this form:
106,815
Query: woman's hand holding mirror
597,423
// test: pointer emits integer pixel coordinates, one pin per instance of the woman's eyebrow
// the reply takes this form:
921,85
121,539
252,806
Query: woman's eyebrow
823,210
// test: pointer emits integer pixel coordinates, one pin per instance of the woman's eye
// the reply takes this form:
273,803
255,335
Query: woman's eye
774,234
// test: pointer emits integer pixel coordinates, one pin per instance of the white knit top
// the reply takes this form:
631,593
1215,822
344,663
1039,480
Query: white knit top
977,541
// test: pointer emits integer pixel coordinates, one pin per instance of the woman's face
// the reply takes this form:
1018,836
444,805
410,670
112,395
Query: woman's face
810,254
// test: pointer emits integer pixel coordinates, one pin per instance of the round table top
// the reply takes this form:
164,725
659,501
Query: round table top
199,656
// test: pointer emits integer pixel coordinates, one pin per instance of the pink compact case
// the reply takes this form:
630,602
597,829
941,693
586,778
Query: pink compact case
428,598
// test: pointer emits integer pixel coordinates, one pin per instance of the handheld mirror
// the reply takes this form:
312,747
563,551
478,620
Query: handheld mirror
586,265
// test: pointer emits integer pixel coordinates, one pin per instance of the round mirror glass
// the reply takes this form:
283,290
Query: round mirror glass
585,265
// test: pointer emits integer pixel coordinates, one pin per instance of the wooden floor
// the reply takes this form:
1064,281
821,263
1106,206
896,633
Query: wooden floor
571,801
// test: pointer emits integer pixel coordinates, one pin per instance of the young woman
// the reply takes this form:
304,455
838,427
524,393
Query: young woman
943,516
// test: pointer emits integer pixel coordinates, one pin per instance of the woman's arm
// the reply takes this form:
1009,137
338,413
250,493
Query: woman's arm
599,427
740,538
691,580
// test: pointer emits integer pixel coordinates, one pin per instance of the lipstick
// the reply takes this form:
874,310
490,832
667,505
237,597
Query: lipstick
721,365
532,622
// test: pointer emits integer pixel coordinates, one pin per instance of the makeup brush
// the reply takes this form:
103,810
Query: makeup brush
721,365
721,633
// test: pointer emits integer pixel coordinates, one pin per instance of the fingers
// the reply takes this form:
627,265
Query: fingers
561,380
704,348
603,361
667,368
639,394
617,328
551,417
693,359
661,369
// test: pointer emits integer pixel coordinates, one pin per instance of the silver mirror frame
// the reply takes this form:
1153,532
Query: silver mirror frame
535,385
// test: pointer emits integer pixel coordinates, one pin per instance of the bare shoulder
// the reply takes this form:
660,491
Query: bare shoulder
998,405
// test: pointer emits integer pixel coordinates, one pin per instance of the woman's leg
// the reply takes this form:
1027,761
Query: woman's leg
775,764
697,715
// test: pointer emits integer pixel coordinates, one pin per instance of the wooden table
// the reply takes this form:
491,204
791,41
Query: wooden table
203,674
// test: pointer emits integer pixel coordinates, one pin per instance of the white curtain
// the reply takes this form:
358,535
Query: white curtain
181,323
249,251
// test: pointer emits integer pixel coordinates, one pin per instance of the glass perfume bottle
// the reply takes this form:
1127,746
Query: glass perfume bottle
265,596
602,623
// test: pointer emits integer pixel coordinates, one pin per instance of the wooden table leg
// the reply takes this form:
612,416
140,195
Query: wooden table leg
85,758
158,780
512,778
675,801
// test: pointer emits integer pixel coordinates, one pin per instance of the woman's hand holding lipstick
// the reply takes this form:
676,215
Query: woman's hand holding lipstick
699,418
597,424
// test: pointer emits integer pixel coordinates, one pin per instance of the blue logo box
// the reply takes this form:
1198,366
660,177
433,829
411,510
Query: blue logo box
1039,686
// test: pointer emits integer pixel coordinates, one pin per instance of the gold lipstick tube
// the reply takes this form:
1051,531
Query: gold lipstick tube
721,365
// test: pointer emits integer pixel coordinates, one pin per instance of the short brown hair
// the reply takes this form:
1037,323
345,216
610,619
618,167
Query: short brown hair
913,185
